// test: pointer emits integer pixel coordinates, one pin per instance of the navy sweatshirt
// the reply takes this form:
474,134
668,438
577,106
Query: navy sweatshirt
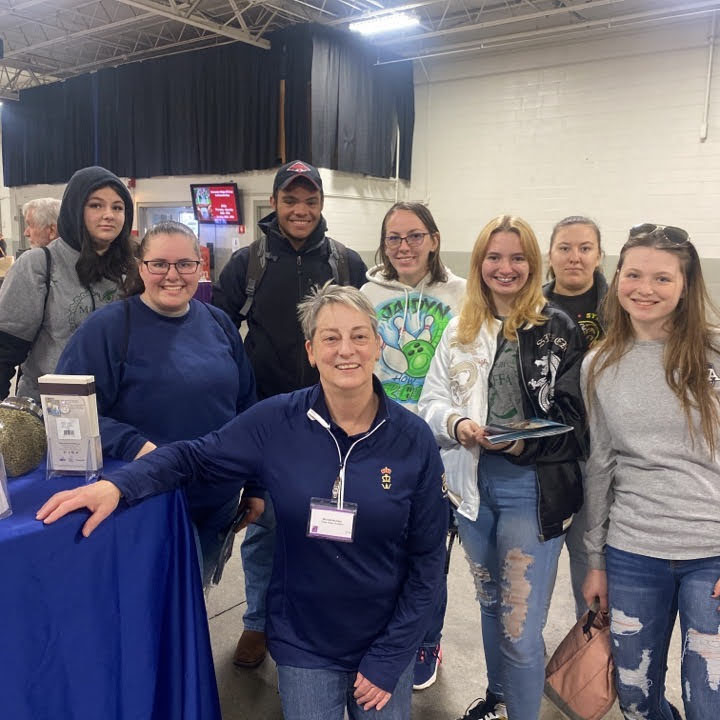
161,378
344,606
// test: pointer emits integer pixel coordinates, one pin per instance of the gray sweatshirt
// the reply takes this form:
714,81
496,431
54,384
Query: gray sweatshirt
22,297
649,489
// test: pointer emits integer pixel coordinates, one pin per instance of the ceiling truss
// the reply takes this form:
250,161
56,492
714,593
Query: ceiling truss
50,40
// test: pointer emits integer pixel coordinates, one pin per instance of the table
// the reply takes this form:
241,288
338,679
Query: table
110,627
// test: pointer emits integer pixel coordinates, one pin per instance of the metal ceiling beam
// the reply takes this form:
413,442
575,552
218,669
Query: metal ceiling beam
564,10
166,11
76,35
618,22
387,11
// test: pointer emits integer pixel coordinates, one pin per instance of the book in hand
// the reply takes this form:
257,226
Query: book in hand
524,430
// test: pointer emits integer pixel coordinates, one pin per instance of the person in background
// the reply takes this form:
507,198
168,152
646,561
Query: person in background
509,356
415,296
653,476
41,217
3,246
153,378
360,551
577,286
296,254
48,292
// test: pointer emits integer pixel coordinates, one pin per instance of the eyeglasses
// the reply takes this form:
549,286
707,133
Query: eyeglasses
672,234
392,242
162,267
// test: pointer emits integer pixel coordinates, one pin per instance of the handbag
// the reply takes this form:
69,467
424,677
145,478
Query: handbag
579,679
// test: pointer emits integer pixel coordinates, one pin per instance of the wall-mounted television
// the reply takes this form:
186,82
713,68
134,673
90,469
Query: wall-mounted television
217,204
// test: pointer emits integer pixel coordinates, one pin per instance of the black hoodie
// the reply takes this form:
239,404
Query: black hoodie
81,184
275,343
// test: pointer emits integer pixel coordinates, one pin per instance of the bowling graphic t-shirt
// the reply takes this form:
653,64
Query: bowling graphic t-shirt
411,323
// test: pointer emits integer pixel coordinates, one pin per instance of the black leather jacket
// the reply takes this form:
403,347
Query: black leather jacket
549,358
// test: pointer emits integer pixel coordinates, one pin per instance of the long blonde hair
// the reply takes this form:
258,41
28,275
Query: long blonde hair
691,336
479,307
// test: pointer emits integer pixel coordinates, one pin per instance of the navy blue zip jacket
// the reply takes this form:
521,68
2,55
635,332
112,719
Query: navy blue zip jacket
334,605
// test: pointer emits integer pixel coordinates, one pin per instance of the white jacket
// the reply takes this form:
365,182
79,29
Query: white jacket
457,386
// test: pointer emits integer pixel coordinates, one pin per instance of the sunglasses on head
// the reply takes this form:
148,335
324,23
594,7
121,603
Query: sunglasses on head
672,234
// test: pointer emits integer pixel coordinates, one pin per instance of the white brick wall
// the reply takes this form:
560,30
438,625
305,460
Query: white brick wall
607,127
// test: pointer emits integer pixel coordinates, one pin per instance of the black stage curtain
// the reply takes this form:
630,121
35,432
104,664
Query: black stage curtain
49,133
216,112
209,112
357,106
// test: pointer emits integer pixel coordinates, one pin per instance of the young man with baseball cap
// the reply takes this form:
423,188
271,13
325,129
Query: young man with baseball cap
262,285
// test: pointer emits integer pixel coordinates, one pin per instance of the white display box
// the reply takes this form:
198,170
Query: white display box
71,424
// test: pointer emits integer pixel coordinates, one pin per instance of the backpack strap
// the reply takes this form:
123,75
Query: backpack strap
338,260
48,269
257,263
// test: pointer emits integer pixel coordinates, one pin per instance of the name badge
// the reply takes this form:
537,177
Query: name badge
326,521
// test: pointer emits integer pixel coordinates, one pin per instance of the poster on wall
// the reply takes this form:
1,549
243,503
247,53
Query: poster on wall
217,204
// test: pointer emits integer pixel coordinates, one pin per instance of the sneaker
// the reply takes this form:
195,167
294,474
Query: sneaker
427,663
488,709
250,650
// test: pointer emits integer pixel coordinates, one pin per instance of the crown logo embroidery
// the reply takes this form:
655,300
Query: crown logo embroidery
386,478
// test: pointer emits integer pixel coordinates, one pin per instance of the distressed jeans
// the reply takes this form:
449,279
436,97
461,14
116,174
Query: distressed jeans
514,573
645,596
318,694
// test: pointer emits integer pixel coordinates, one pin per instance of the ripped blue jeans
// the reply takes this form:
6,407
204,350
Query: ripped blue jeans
645,596
514,573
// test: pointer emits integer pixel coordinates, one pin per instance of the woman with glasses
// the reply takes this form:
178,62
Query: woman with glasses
49,292
167,367
653,475
356,483
507,357
415,296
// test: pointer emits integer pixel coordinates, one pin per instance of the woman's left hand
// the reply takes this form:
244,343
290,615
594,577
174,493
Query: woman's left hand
716,591
368,695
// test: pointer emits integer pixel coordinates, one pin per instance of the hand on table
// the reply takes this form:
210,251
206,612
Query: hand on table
370,696
101,498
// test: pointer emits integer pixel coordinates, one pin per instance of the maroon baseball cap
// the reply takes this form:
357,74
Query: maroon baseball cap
291,171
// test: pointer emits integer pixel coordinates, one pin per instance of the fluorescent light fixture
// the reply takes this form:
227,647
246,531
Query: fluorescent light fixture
385,23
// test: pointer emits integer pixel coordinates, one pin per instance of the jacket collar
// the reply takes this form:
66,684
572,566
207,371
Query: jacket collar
270,228
319,405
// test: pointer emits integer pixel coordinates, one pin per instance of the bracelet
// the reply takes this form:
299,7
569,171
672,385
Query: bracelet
455,427
510,448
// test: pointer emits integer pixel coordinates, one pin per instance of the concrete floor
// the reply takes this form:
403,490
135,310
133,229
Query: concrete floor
252,694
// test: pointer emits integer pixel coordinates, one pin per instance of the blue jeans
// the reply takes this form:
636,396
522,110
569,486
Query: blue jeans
645,596
514,573
317,694
257,553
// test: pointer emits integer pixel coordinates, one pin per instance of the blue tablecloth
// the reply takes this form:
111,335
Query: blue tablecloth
110,627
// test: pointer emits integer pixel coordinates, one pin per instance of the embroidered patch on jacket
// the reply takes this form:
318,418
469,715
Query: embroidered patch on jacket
386,478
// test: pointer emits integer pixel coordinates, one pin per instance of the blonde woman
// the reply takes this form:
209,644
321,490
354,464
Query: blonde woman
509,356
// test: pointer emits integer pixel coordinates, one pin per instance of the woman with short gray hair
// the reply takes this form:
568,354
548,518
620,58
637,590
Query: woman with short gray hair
356,483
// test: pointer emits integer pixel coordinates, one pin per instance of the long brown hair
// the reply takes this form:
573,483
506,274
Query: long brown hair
437,270
479,307
691,336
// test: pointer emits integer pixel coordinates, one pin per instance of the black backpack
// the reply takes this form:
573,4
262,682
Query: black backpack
257,264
